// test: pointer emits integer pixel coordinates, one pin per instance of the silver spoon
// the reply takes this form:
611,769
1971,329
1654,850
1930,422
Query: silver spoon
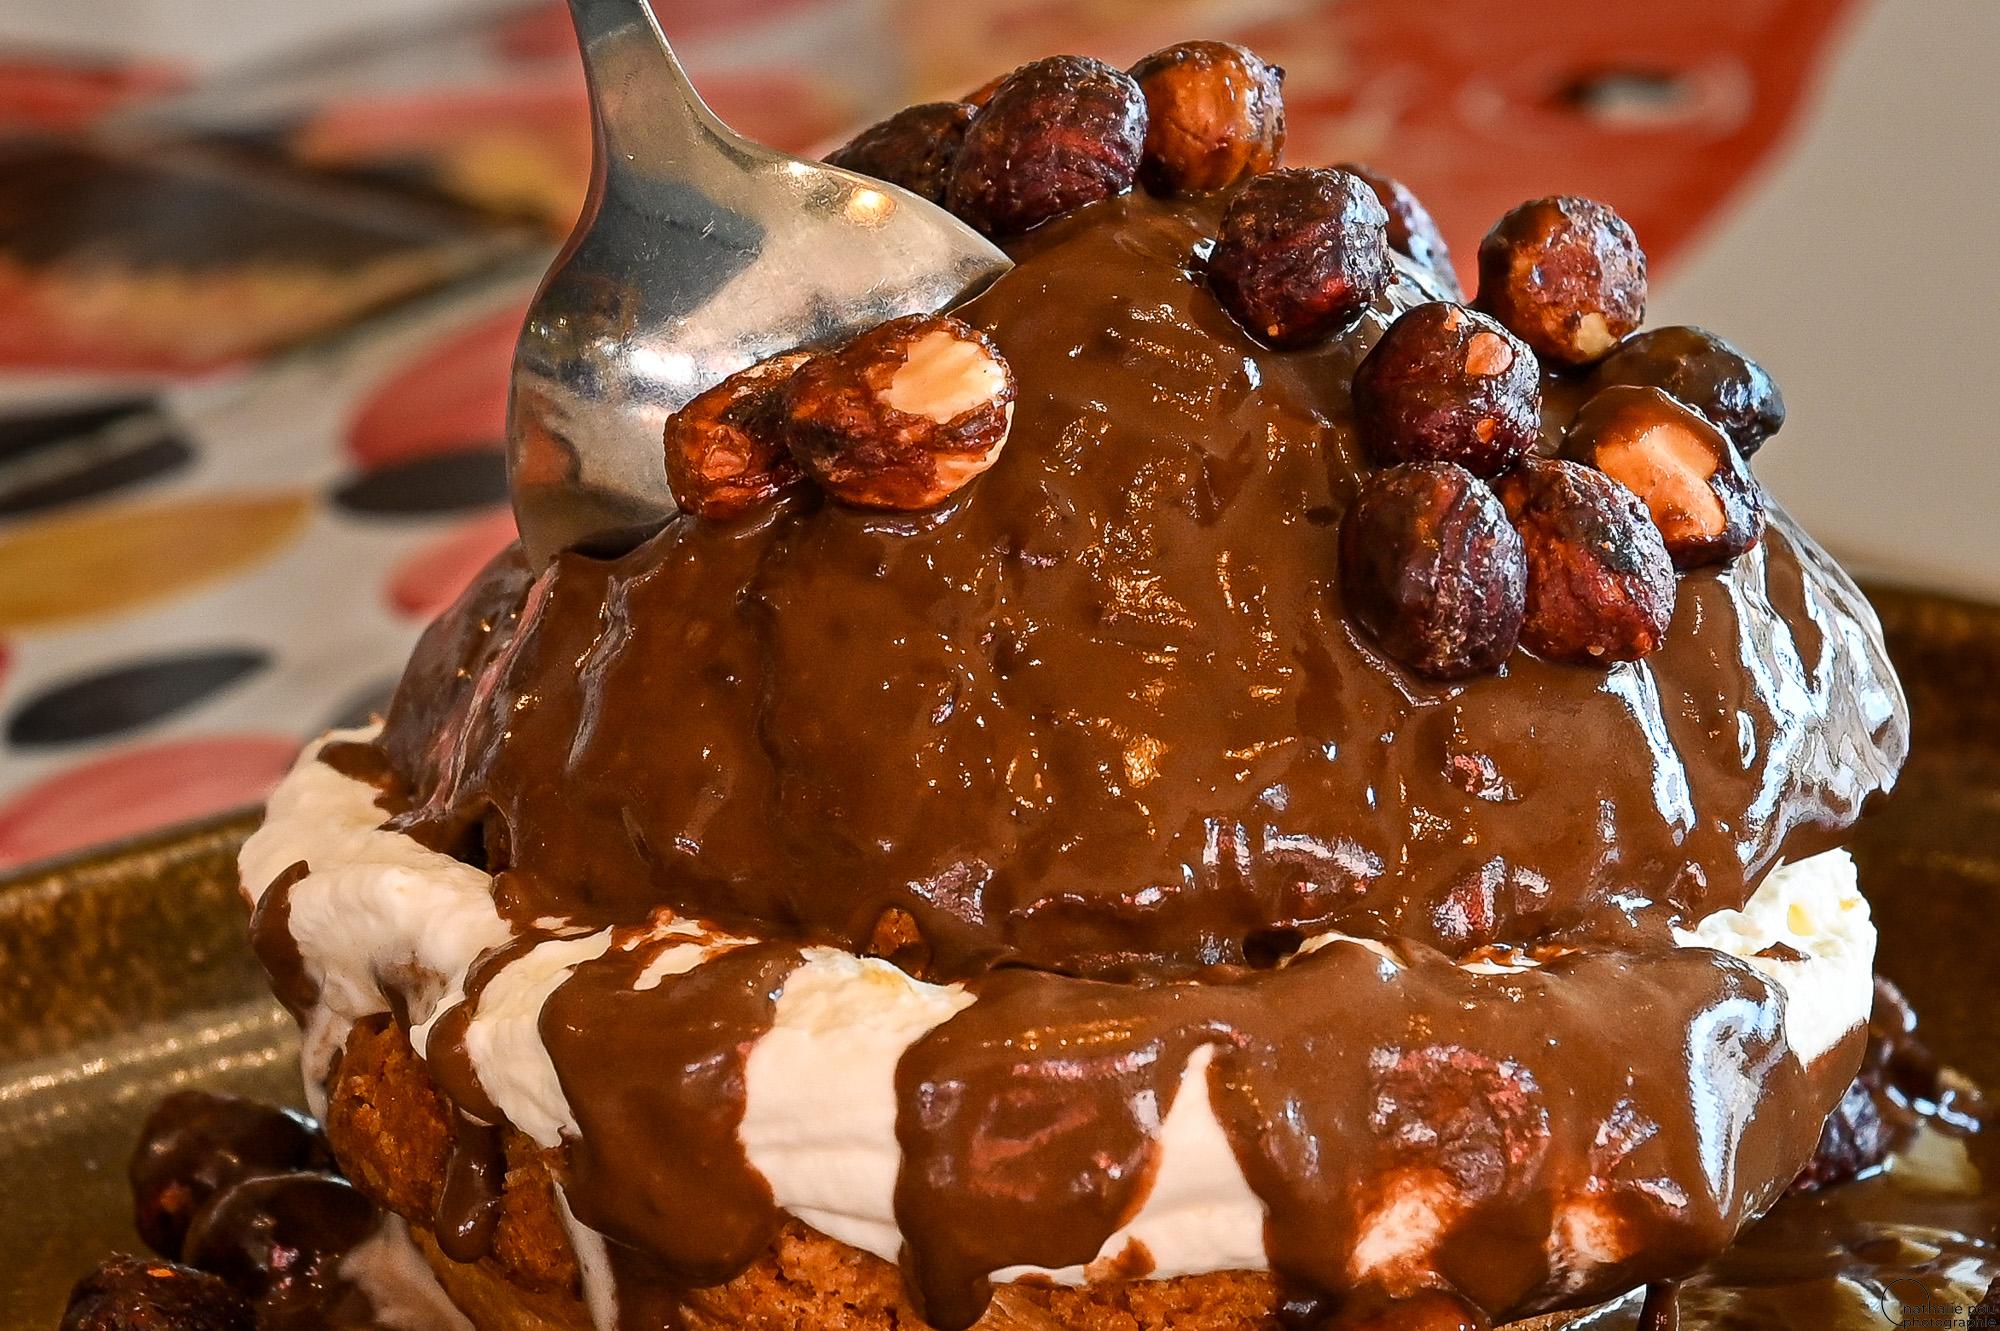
698,253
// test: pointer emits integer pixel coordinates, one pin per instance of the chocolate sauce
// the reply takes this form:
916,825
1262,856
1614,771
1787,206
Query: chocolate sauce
277,950
1104,713
655,1077
475,1174
1013,1154
1101,729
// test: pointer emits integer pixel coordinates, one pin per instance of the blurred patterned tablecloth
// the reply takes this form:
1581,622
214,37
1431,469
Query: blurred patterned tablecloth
256,306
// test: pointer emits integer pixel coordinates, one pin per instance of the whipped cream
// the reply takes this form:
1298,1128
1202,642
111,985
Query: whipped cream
820,1115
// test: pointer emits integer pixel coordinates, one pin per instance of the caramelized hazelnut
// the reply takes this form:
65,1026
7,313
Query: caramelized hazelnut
1853,1142
903,415
1215,115
1567,275
913,148
1055,135
1600,585
195,1144
279,1238
1703,499
1430,569
131,1294
1706,373
1412,230
724,456
1448,385
1300,255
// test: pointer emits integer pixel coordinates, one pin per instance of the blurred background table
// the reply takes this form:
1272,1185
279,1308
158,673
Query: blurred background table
261,267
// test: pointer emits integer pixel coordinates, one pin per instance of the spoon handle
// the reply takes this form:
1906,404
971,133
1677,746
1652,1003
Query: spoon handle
643,108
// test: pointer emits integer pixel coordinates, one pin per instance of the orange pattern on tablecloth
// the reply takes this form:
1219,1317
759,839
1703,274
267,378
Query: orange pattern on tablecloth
58,570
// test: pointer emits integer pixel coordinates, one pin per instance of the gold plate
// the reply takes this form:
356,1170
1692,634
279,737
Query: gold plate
124,973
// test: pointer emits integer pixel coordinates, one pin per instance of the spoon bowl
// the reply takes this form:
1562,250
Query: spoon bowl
698,253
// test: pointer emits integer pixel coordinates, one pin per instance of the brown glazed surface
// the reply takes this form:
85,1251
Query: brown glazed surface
1101,728
1103,712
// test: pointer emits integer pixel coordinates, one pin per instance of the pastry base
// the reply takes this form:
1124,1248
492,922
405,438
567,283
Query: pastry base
390,1130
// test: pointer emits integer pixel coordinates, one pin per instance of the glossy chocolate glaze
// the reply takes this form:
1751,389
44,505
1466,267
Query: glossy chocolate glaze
633,1060
1102,729
1103,713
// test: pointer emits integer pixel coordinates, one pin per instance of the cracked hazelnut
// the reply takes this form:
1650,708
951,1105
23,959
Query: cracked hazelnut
901,416
1412,230
1567,275
1430,569
1705,372
1600,585
195,1144
1446,384
1707,505
134,1294
1215,115
1300,255
1056,134
724,454
913,148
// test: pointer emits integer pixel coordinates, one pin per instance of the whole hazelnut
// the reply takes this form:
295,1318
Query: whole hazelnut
1413,232
724,454
195,1144
1300,255
1215,115
1055,135
277,1238
1706,373
902,416
1446,384
1600,585
1567,275
1707,505
914,148
1431,570
135,1294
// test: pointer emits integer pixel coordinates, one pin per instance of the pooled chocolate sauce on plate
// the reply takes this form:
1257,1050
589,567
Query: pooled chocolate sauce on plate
1101,730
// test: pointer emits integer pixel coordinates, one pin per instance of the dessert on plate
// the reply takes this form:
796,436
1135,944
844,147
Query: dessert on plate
1220,785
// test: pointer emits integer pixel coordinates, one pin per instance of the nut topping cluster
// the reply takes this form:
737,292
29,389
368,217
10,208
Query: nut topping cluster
1651,476
898,418
1481,532
1066,131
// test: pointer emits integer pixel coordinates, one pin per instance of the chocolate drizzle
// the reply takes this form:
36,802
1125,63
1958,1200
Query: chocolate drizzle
277,950
655,1076
1103,713
475,1175
1098,738
1466,1110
